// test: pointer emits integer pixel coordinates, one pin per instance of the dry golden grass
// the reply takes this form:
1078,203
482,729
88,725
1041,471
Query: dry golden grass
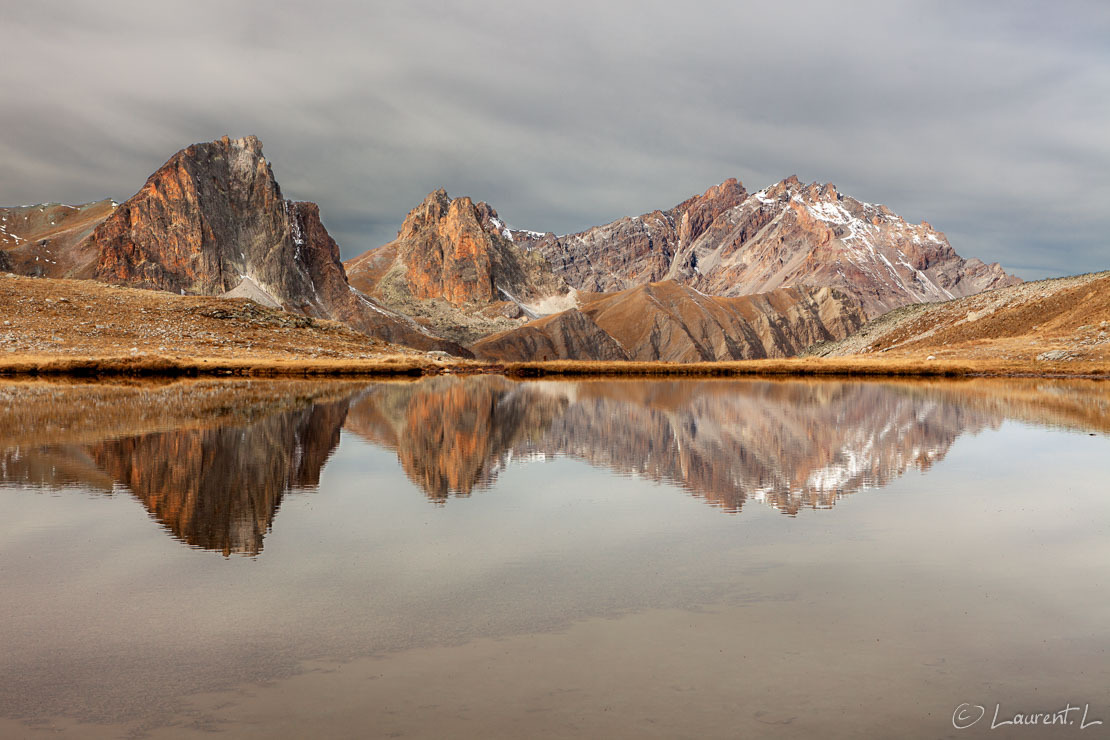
417,365
86,328
856,365
253,366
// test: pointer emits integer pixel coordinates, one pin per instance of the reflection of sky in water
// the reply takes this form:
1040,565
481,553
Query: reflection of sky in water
1001,543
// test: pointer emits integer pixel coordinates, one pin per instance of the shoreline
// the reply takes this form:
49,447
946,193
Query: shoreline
419,366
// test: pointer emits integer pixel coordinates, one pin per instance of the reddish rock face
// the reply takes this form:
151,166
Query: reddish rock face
454,268
672,322
212,221
729,243
212,214
448,253
454,250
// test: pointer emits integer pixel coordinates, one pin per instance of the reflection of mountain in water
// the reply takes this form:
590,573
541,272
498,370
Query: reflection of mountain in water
219,489
216,488
790,444
452,435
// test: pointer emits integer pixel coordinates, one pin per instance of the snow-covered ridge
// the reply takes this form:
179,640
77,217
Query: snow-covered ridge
868,235
501,227
510,233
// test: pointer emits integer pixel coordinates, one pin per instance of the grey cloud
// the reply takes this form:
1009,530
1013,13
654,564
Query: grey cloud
988,120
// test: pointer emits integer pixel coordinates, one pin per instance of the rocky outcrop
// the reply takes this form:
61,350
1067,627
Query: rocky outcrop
675,323
452,268
789,234
210,218
212,221
448,254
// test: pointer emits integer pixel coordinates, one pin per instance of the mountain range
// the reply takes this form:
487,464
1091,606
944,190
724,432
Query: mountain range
728,242
727,274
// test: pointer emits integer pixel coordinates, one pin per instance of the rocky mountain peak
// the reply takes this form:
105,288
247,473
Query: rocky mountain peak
249,143
791,183
695,214
455,266
729,243
432,210
492,222
210,218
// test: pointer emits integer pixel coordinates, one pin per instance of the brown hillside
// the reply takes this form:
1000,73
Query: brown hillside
82,318
51,239
1050,321
675,323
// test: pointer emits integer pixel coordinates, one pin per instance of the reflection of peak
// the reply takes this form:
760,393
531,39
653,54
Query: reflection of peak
450,434
216,486
219,489
789,445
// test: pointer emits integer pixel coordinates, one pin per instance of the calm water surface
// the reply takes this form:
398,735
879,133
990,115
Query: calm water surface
474,557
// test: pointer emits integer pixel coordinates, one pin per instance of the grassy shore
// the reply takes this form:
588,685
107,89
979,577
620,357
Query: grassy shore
207,367
419,365
812,366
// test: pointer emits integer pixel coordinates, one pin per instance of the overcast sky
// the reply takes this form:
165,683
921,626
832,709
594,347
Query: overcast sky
989,120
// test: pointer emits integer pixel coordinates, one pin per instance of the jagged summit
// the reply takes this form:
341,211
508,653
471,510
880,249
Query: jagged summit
452,249
633,250
453,266
207,221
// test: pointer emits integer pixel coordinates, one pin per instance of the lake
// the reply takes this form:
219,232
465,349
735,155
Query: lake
477,557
